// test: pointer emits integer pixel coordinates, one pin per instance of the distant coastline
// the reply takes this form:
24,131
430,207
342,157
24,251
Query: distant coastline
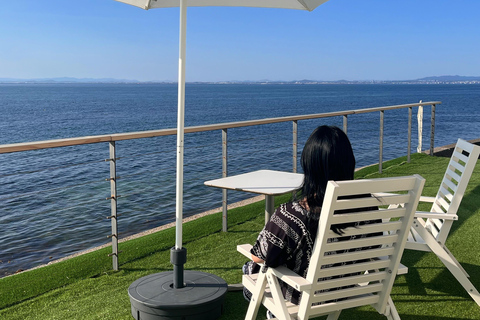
72,80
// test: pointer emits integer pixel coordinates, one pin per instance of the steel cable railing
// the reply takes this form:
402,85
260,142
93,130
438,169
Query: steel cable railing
251,144
31,197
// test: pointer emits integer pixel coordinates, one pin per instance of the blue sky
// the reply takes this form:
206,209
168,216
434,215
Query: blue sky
341,39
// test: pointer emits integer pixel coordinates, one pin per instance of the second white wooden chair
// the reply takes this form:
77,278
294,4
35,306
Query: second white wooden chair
431,229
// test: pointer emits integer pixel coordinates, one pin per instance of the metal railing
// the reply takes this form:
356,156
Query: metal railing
113,138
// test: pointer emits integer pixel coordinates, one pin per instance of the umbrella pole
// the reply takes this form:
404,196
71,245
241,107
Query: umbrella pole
193,295
178,254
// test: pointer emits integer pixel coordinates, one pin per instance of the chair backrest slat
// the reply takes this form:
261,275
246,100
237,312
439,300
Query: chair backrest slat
351,303
328,260
459,156
449,185
444,205
354,291
350,281
359,264
346,204
379,185
368,215
370,228
445,193
453,165
434,226
355,268
362,242
453,176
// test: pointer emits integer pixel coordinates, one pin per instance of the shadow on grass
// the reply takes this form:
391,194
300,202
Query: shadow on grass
446,282
413,280
236,308
364,315
240,231
155,270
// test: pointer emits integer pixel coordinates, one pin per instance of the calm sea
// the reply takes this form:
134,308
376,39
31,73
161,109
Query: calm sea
53,202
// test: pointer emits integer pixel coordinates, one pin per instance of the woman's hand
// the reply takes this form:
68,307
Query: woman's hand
257,259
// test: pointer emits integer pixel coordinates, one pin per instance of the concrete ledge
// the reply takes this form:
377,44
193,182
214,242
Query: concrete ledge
446,151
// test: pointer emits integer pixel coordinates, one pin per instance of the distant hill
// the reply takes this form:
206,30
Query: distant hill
68,80
450,78
426,80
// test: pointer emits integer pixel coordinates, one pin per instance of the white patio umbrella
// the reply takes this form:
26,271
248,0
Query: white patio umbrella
308,5
156,296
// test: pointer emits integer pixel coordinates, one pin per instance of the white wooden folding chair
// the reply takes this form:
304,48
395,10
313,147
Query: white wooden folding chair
430,229
355,269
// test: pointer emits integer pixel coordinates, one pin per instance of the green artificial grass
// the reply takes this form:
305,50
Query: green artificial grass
85,287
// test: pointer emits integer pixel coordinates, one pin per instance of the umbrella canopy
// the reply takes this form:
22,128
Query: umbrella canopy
308,5
285,4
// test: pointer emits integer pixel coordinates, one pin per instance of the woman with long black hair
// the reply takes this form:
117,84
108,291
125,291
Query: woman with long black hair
288,238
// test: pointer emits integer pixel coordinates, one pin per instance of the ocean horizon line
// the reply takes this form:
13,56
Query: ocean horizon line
72,80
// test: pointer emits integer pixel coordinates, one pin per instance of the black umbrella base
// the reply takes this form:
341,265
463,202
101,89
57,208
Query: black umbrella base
153,297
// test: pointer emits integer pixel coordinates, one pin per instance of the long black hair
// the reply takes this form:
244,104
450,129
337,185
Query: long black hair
327,155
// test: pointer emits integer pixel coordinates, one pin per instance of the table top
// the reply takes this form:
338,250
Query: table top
268,182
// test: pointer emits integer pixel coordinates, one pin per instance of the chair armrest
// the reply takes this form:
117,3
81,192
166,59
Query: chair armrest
283,273
427,199
402,269
245,250
290,277
435,215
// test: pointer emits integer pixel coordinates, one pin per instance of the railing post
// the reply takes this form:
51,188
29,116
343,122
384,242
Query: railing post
345,121
420,127
295,145
113,205
432,131
224,174
409,134
380,160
